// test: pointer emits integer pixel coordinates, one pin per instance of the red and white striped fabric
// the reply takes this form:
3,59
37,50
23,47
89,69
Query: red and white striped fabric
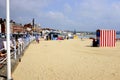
107,38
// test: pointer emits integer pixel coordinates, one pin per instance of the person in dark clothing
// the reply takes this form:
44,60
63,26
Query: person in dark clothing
94,43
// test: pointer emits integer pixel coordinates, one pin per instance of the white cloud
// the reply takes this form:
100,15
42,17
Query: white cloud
76,13
59,18
67,8
55,15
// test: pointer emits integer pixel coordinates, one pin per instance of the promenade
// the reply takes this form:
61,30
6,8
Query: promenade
68,60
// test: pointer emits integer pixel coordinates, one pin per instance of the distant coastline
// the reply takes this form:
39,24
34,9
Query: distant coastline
94,36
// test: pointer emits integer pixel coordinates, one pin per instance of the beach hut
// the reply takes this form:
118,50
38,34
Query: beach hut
106,38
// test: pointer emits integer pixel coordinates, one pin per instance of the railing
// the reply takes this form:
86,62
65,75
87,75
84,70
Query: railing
16,54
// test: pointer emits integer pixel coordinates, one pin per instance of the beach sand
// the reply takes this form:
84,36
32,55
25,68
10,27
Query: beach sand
69,60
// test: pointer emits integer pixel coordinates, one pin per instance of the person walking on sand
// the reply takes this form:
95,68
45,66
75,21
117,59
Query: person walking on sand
37,38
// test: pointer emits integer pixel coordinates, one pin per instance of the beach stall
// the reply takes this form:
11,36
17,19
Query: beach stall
53,35
106,38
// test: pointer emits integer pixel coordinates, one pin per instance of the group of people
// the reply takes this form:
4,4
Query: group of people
17,45
13,44
4,50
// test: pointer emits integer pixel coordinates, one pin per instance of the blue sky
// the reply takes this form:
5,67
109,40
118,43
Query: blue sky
80,15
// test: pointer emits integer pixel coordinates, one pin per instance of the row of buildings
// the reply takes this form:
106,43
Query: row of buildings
18,28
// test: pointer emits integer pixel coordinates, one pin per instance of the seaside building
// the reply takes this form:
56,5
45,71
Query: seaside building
18,28
2,25
14,27
28,27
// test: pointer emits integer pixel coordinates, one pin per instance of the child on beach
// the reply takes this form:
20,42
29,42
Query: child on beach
37,38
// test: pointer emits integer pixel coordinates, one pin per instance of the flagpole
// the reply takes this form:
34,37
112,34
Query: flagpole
8,40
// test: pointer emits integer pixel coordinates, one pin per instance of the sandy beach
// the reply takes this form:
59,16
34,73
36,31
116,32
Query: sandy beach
68,60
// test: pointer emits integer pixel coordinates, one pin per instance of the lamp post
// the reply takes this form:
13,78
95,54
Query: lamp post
8,40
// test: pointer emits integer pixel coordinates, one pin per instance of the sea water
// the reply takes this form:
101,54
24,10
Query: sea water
94,36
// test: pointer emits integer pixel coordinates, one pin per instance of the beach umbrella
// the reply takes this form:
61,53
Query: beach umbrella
8,39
